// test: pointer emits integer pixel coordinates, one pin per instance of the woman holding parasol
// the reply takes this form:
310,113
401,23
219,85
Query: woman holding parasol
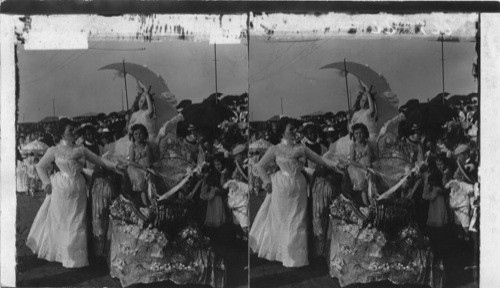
365,112
143,112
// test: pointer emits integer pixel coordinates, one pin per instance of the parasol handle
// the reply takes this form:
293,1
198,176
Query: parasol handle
347,88
149,91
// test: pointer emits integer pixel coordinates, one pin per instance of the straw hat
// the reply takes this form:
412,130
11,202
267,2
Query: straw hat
415,127
461,148
190,139
239,149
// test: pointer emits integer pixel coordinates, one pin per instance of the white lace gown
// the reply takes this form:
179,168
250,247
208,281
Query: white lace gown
279,231
59,231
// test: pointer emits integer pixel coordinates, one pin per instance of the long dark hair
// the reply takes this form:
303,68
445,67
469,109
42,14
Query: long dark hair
61,126
357,104
135,106
362,127
139,127
283,122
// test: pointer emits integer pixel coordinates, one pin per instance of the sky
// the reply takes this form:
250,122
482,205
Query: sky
275,70
291,70
72,79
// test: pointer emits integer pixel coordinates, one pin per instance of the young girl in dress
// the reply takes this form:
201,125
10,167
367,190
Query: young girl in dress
33,179
141,158
212,192
362,156
22,168
437,217
434,192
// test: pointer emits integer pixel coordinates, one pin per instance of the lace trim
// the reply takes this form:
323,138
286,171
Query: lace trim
360,152
141,153
296,151
69,152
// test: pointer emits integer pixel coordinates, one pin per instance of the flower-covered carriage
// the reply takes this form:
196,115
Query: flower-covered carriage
383,242
162,242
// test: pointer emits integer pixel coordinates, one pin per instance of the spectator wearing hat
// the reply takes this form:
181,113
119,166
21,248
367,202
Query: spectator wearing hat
192,146
444,167
273,135
241,171
89,141
312,141
90,138
107,139
413,141
462,187
47,138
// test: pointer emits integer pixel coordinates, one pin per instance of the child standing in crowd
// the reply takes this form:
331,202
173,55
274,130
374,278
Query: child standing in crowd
362,156
238,191
212,192
89,141
437,217
33,179
22,168
238,202
140,157
107,140
443,167
253,177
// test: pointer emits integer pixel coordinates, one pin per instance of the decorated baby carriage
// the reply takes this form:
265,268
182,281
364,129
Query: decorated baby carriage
383,242
158,243
154,244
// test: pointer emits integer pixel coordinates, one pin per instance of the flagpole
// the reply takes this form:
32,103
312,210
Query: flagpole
281,105
442,61
125,78
347,88
215,53
122,102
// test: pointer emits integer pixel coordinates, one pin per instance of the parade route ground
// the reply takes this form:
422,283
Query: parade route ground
272,274
34,272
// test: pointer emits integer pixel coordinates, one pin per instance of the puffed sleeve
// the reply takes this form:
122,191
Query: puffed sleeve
89,156
261,166
169,125
43,164
310,155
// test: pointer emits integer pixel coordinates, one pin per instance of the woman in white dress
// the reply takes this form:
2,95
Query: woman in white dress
279,232
59,231
143,112
365,113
